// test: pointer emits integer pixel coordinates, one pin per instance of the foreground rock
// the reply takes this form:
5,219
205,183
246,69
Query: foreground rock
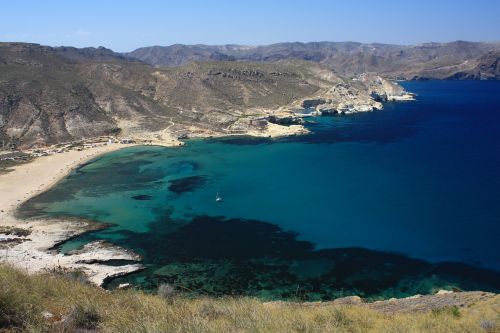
35,253
412,304
430,302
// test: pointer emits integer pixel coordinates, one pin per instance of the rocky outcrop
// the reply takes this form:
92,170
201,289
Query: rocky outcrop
363,93
412,304
34,252
488,67
383,90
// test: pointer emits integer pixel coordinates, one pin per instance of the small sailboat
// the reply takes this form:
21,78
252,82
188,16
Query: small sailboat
218,198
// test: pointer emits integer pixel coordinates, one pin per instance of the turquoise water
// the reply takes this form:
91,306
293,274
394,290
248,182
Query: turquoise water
387,203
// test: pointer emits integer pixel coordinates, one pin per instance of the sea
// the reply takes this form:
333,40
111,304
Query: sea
389,203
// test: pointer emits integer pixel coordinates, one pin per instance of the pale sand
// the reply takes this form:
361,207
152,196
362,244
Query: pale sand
33,255
28,180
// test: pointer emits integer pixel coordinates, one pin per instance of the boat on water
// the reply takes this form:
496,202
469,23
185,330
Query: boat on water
218,198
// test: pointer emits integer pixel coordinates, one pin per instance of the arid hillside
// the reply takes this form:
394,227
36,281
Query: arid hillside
50,95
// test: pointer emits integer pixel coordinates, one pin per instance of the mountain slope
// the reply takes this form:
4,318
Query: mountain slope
50,95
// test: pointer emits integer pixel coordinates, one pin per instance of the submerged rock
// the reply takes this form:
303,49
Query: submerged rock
142,197
187,184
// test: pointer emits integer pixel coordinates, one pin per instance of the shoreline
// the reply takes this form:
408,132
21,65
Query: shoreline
38,252
46,179
29,244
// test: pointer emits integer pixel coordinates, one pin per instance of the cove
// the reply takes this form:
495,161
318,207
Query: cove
382,204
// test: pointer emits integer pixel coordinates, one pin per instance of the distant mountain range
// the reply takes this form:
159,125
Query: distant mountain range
455,60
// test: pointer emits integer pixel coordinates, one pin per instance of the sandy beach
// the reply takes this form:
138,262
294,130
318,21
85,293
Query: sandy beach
28,243
30,249
30,179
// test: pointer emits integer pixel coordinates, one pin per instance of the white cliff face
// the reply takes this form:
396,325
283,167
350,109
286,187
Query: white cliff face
386,90
337,95
362,94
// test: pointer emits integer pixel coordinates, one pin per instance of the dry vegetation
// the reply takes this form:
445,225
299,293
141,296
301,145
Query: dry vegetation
56,303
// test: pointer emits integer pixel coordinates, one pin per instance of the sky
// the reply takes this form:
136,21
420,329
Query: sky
124,25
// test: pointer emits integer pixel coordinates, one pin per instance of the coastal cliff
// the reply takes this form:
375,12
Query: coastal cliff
363,93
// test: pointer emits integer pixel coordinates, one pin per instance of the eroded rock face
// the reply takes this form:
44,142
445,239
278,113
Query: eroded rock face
384,90
364,93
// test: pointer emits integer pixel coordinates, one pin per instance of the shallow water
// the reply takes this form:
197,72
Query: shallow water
370,204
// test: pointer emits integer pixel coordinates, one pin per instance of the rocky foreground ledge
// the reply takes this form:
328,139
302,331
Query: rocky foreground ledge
417,303
54,303
30,246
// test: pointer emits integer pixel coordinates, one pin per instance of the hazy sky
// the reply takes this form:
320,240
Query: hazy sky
124,25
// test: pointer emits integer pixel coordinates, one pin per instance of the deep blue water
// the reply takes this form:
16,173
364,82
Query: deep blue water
376,204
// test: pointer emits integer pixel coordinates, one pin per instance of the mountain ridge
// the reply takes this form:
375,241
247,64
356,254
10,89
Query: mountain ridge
453,60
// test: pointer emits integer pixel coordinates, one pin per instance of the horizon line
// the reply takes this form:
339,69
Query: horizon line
257,45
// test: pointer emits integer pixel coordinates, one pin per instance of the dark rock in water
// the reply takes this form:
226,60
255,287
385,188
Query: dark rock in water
142,197
187,184
222,256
